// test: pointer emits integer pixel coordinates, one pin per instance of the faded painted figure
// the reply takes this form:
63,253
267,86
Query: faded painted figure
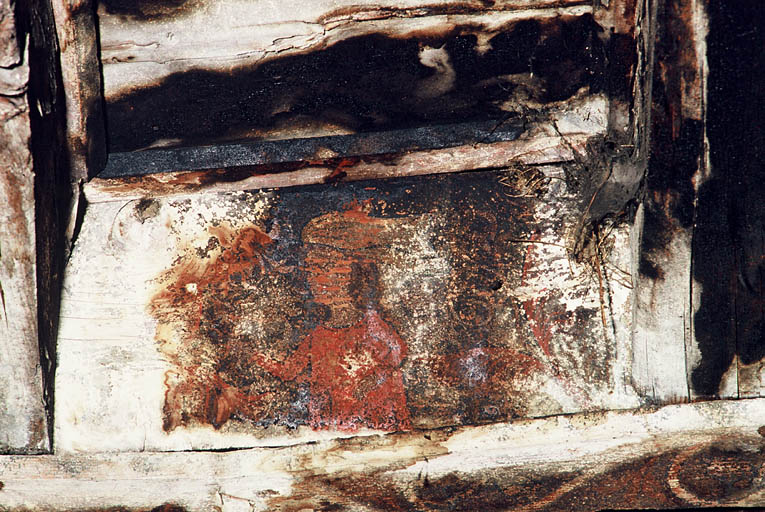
382,306
352,359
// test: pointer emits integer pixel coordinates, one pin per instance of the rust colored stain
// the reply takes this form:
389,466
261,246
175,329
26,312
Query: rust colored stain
201,292
355,375
701,475
270,175
384,307
534,308
338,173
493,379
709,475
539,323
452,8
351,360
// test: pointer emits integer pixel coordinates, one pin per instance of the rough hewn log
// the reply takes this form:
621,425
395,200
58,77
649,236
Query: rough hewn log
177,77
22,416
145,43
686,456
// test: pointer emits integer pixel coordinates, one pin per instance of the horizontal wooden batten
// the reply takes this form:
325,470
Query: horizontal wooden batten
341,148
462,158
686,456
559,135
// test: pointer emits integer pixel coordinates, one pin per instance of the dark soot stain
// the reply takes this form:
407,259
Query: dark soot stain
729,242
366,83
147,9
676,143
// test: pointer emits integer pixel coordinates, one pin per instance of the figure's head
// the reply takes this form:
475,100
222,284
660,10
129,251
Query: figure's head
341,248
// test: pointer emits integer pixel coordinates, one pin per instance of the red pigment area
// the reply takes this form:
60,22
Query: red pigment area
245,350
198,303
355,376
539,320
350,362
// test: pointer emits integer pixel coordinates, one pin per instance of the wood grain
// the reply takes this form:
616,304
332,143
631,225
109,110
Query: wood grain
141,47
686,456
668,283
180,315
729,249
217,73
10,55
22,416
561,135
81,80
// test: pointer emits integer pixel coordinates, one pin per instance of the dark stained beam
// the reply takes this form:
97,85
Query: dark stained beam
273,152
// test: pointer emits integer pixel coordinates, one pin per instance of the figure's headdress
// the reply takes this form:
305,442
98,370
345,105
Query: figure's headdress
350,230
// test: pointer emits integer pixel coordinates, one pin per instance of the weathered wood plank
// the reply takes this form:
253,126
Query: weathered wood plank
486,314
146,43
81,79
22,416
693,455
541,150
215,73
291,152
52,186
663,320
676,165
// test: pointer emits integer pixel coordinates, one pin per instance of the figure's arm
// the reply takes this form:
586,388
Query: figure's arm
393,348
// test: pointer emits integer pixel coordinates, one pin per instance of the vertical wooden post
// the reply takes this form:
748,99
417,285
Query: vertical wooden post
675,96
23,426
81,77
